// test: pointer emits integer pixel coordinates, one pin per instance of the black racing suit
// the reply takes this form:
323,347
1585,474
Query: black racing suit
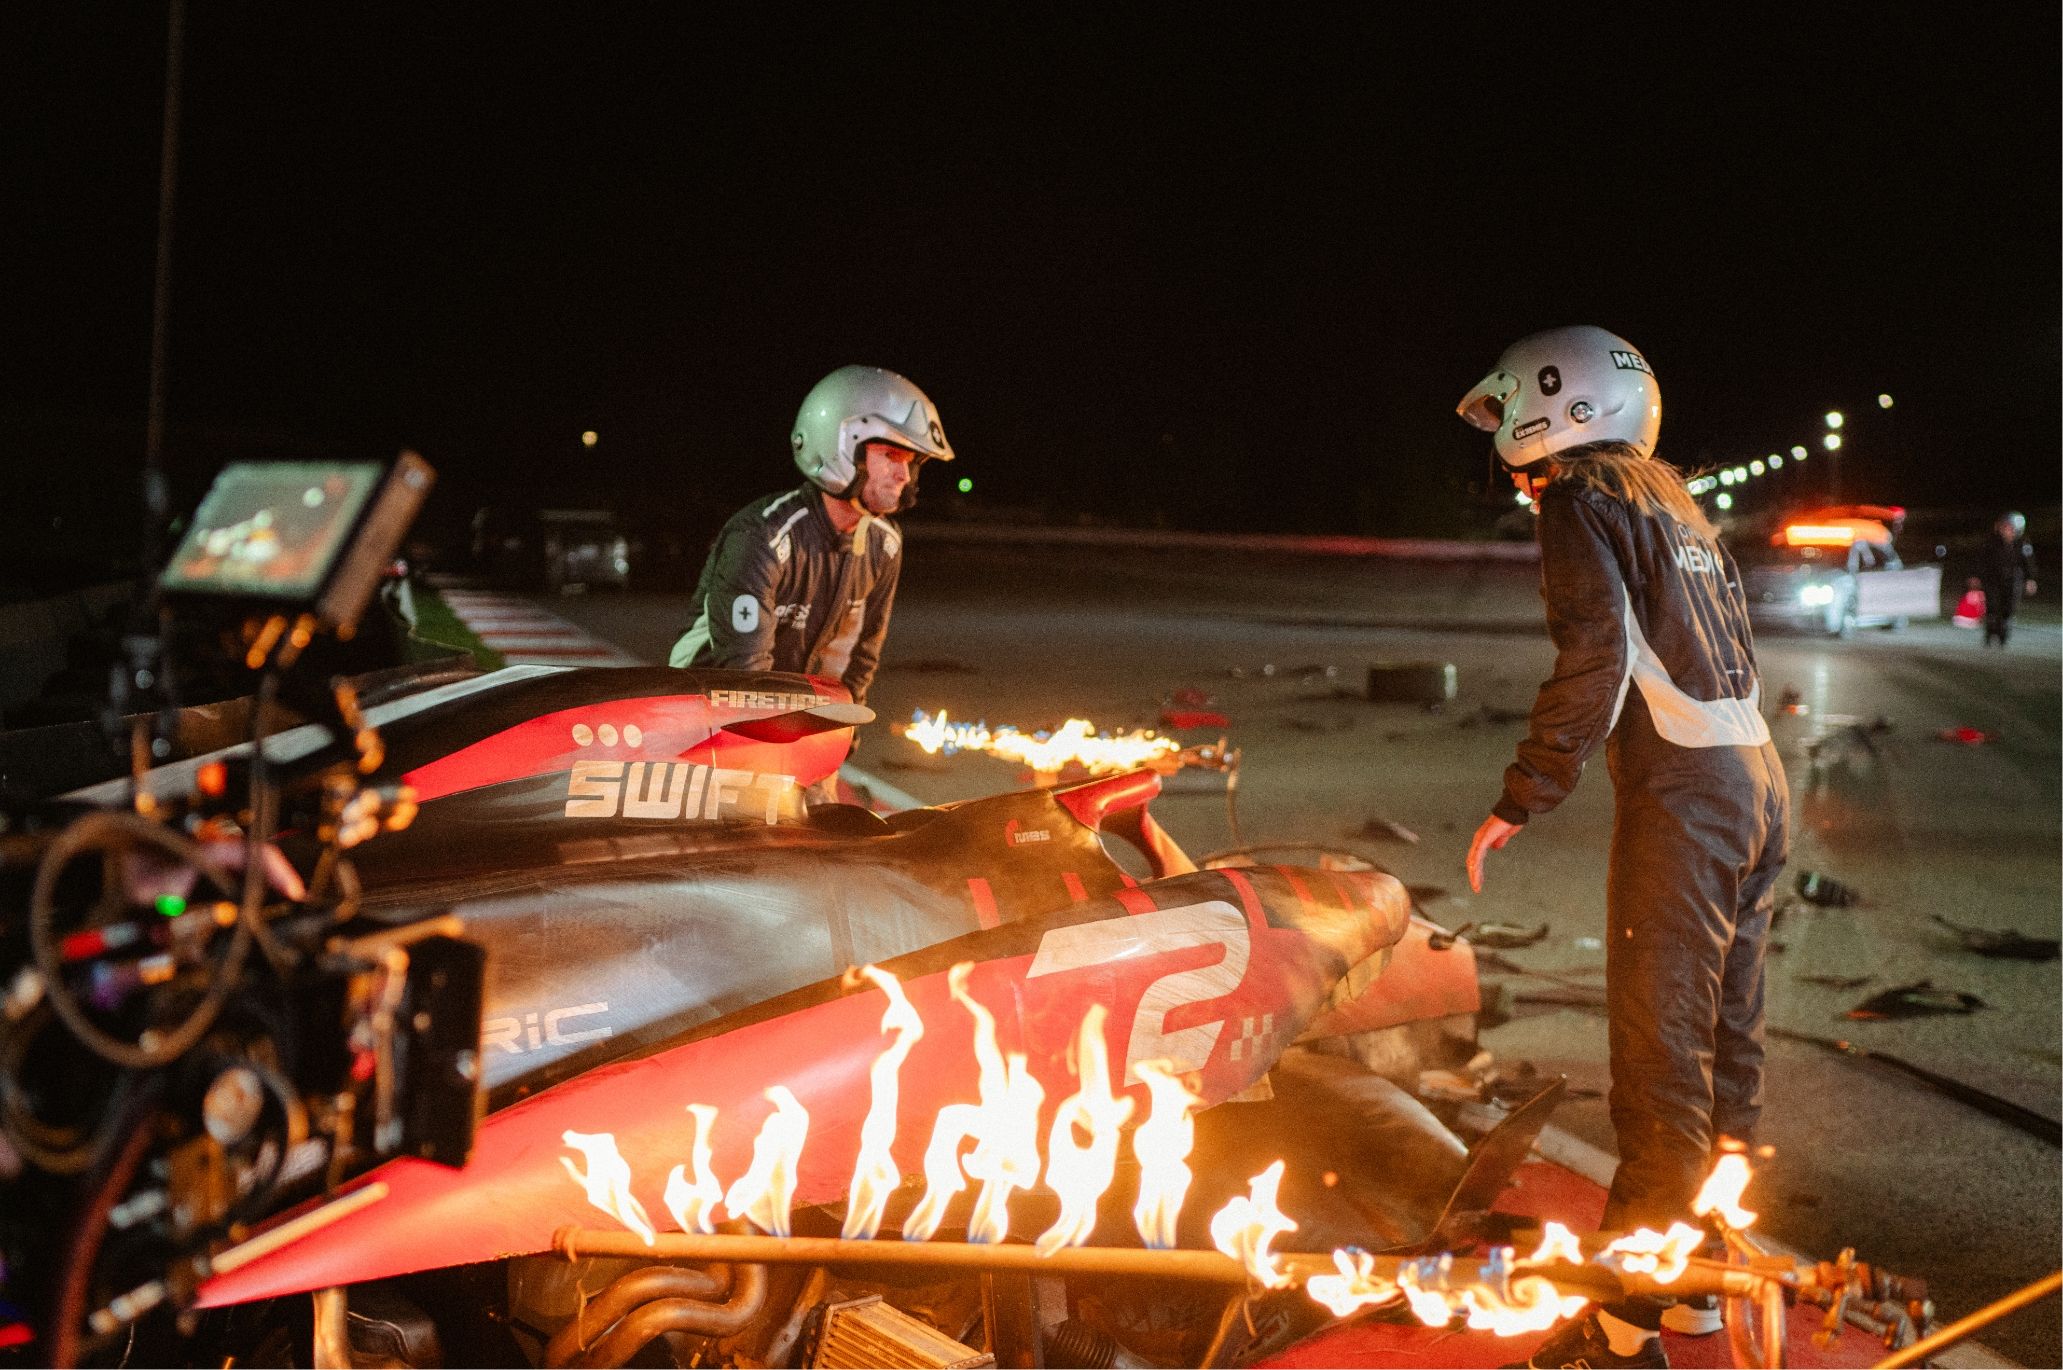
783,590
2004,568
1654,661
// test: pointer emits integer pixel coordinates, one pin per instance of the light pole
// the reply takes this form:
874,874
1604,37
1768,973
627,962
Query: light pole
1832,442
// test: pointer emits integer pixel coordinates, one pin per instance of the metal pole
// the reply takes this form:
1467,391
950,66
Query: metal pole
1983,1317
1209,1267
156,493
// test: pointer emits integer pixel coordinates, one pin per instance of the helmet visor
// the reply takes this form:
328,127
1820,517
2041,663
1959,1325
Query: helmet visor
1483,406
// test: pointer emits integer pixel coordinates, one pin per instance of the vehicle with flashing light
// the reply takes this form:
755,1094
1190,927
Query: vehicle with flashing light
1834,570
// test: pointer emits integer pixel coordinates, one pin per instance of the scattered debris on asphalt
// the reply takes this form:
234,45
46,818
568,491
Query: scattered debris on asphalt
1299,724
1490,713
2003,942
1837,981
1443,939
1826,891
1967,735
1268,670
1507,936
1590,944
1844,735
1918,1000
1386,829
930,665
1182,719
2026,1119
1412,682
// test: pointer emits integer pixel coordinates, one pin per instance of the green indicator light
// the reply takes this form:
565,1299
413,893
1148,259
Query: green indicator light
966,484
171,905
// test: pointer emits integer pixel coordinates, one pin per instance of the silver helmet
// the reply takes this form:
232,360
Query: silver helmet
1566,388
855,405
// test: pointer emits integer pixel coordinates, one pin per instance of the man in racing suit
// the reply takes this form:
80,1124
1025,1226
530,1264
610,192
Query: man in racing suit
805,580
1654,662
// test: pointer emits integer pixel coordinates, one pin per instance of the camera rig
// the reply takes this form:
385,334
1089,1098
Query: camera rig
197,1033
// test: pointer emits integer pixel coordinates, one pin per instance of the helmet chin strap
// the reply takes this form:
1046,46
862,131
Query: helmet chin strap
1532,479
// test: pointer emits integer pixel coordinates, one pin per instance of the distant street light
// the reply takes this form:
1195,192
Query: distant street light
1776,463
1883,401
1834,419
1832,442
1798,453
1723,500
966,484
1755,468
589,439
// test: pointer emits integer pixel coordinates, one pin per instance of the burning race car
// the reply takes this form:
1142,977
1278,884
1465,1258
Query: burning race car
588,1039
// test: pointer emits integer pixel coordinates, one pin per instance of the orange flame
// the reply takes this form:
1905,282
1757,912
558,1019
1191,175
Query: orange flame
607,1180
942,1178
1004,1127
1356,1286
875,1174
1162,1144
1723,1189
1489,1297
1007,1157
1074,741
1665,1255
764,1192
1558,1245
1080,1173
1428,1306
691,1204
1244,1227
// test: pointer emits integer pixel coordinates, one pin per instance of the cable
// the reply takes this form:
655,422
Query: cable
68,1309
108,831
256,837
52,1147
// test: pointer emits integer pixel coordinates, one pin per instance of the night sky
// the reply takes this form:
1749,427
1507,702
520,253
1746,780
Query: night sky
1223,272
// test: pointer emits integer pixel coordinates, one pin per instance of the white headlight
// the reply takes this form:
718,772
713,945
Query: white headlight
1816,594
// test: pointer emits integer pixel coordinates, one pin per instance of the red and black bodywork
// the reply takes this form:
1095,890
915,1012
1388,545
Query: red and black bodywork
668,922
669,917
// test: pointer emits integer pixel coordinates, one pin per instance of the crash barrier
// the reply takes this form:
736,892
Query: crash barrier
1307,544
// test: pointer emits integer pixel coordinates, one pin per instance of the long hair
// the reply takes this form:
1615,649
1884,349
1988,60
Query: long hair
1653,487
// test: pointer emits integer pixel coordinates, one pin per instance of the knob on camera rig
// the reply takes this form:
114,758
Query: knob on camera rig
196,1033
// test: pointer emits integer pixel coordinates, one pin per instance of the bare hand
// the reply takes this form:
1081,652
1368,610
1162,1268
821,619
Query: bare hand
1492,836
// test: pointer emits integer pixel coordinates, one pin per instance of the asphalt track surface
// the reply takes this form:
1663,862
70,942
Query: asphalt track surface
1920,827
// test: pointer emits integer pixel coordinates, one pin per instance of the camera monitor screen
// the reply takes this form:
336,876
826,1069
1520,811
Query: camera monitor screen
272,530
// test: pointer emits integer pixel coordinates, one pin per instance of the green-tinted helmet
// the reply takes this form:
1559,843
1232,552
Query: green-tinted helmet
855,405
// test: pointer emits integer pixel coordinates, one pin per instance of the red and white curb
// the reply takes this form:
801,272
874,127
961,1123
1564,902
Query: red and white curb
526,635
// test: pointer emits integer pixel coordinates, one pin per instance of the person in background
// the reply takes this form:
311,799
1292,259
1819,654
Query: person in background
2005,571
804,580
1654,664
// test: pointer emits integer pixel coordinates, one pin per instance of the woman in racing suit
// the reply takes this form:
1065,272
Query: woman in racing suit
1654,662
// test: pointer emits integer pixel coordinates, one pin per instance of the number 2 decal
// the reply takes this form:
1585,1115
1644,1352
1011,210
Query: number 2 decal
1215,923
